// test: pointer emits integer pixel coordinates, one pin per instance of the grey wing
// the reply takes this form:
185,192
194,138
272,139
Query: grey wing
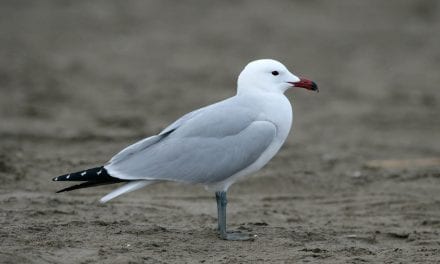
147,142
135,148
182,121
198,159
207,145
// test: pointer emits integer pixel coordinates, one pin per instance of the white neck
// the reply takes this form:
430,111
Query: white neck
256,88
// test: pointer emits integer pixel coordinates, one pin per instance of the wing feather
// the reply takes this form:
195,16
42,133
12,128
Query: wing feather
207,146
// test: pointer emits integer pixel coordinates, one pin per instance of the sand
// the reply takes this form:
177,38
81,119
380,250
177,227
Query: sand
79,80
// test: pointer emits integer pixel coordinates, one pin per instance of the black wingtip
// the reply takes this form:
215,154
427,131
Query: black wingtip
92,174
90,178
87,185
65,177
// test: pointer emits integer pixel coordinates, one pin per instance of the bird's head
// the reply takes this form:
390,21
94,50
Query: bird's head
270,76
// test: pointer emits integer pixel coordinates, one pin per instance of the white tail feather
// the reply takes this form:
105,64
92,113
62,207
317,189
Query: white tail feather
129,187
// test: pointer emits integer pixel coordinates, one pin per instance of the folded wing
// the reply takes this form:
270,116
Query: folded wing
207,147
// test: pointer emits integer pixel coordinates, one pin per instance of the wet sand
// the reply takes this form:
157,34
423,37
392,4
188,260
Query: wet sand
80,80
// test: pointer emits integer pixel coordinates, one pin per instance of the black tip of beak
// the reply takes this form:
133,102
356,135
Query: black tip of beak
315,87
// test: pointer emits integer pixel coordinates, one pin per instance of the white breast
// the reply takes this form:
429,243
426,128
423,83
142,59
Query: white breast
276,109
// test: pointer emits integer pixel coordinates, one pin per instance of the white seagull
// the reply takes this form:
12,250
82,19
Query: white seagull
214,146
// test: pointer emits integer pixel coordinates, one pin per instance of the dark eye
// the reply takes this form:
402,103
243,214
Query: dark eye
275,73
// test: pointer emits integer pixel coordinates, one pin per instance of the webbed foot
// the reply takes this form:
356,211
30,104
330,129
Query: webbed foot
237,236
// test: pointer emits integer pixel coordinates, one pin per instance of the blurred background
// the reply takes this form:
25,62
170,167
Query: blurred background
357,180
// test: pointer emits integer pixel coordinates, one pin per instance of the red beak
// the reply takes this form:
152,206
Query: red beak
306,84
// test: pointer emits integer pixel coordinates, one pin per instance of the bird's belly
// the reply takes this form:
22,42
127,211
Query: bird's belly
265,157
283,122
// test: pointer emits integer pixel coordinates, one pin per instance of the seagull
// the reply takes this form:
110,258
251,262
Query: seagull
214,146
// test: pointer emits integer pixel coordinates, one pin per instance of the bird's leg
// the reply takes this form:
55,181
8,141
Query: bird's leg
218,199
222,202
